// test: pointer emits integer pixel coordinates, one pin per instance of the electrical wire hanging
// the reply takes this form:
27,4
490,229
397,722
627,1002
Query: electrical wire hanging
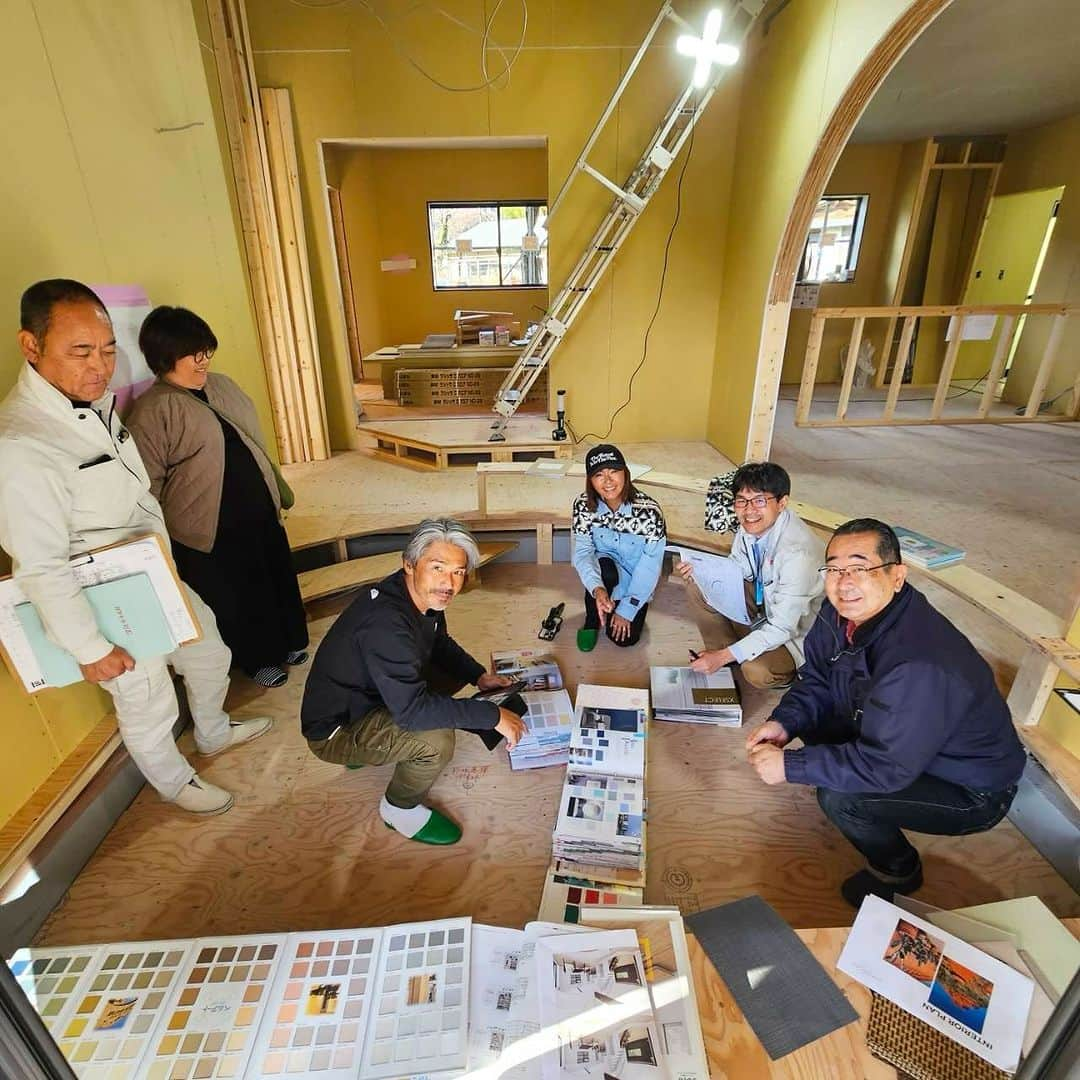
659,300
485,39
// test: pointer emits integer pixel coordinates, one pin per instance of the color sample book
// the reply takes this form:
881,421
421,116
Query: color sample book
54,978
209,1025
550,719
565,894
111,1025
318,1008
419,1017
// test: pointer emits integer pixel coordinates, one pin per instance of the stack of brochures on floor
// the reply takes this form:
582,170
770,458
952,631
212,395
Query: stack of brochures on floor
602,807
926,552
550,720
681,694
550,716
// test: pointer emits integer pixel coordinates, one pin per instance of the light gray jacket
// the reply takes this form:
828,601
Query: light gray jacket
71,480
792,584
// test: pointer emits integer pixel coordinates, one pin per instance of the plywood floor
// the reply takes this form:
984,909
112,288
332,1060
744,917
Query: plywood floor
304,846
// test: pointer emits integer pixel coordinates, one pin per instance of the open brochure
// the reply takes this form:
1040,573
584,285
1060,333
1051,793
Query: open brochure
662,939
720,579
608,739
549,717
968,995
594,996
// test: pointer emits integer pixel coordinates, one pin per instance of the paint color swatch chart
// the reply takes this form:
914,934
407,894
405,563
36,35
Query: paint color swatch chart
112,1022
565,895
420,1021
319,1005
52,979
208,1027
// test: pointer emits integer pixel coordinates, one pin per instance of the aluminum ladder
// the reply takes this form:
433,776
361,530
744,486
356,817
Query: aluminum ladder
630,200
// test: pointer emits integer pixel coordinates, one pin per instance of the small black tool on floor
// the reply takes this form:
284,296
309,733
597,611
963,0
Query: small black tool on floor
550,626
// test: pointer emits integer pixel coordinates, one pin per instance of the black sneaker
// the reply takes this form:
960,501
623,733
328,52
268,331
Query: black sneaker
865,883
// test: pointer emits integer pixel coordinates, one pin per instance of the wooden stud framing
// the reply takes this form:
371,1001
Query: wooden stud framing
997,365
1046,366
810,366
854,344
900,365
948,365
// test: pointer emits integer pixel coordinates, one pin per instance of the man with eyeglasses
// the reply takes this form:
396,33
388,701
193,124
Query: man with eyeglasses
901,722
779,557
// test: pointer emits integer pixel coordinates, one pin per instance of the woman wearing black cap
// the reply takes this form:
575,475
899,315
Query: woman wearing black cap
619,540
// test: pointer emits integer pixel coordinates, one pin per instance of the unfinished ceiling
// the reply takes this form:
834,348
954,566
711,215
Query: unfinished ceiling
982,67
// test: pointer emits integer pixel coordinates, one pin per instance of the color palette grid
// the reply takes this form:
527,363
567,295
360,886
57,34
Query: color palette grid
53,978
110,1025
318,1008
419,1015
564,896
209,1025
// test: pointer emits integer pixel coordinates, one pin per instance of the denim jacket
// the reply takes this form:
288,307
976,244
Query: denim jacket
633,537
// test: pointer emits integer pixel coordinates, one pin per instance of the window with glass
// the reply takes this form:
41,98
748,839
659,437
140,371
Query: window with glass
493,245
832,246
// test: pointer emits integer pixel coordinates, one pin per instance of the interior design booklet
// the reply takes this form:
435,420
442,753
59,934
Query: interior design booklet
594,998
536,669
504,1007
691,696
609,731
662,938
971,997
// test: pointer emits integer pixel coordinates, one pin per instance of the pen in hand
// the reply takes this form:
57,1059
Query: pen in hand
694,655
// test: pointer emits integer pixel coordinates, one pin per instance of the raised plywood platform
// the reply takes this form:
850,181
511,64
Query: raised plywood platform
438,444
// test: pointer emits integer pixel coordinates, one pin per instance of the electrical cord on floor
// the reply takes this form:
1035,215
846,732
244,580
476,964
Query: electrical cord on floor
659,301
949,397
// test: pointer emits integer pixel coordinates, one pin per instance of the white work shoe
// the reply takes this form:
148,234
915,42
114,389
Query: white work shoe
201,797
242,731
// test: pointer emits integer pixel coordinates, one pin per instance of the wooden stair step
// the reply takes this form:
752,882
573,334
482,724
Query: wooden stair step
342,576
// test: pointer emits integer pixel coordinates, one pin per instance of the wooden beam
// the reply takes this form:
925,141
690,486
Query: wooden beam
899,366
886,352
877,421
997,365
348,297
810,366
1046,367
948,365
854,344
235,121
928,310
285,188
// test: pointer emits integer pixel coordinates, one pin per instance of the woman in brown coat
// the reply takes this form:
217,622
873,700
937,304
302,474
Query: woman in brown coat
200,440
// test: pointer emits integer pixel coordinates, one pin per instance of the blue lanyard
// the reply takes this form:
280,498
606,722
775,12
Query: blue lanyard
757,560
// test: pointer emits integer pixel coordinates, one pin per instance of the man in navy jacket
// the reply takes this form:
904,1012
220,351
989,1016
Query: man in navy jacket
901,722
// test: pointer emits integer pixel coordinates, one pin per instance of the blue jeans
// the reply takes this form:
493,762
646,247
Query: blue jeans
872,820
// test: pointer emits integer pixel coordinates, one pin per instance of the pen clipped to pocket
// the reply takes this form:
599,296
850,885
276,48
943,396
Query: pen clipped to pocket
101,459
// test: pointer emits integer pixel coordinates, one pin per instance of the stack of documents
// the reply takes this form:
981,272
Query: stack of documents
681,694
550,719
536,669
602,808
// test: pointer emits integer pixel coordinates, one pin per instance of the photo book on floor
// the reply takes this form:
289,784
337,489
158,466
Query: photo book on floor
535,668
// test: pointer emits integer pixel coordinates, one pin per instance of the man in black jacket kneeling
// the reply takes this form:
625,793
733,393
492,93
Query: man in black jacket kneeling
901,722
381,685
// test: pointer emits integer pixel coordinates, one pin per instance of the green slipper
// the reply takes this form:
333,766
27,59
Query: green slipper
586,639
438,829
348,766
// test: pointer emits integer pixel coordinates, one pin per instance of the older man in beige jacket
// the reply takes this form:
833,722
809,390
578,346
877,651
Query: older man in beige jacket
72,480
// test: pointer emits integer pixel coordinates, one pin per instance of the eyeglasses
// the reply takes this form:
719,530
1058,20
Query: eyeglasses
856,573
202,359
759,502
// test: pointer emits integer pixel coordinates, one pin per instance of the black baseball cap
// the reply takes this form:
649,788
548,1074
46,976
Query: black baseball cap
604,456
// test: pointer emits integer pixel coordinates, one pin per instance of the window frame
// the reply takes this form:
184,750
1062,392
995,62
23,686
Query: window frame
854,248
497,205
